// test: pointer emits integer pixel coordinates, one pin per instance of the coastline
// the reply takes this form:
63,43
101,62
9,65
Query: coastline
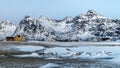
59,44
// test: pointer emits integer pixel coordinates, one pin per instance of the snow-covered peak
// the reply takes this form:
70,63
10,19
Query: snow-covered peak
43,17
90,15
92,12
7,28
68,19
28,18
6,22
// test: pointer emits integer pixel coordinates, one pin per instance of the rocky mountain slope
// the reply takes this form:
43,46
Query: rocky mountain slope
7,28
83,27
94,25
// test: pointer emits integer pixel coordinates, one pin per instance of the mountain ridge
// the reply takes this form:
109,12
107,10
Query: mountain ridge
84,27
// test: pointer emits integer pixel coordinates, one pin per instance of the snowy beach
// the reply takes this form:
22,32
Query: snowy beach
64,55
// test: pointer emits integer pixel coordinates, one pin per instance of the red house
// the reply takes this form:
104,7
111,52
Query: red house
9,38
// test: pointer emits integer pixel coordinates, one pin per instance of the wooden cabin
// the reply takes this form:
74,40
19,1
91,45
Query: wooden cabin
19,38
9,38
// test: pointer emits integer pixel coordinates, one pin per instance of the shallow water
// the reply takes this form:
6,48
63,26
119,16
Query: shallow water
10,62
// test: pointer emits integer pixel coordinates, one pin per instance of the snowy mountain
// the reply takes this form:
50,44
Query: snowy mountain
83,27
93,24
42,29
7,29
32,29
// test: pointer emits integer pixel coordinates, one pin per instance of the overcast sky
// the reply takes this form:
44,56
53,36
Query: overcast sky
15,10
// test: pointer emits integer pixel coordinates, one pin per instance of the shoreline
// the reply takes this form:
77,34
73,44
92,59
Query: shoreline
59,44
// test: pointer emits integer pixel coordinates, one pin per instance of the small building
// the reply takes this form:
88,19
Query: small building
105,39
95,40
9,38
19,38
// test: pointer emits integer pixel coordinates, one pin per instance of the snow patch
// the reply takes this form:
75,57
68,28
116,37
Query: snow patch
27,48
50,65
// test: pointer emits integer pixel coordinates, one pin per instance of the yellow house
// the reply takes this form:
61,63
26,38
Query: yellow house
19,38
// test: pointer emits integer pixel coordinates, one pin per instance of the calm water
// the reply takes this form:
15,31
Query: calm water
66,63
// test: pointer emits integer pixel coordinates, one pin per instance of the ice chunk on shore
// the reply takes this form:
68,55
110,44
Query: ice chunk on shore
50,65
27,48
